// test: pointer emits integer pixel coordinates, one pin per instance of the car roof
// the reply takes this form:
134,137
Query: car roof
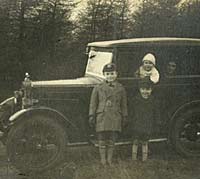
146,41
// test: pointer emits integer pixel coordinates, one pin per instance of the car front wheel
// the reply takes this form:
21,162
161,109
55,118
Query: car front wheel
36,144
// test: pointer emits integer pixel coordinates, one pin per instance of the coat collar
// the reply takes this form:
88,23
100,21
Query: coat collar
115,85
140,98
110,91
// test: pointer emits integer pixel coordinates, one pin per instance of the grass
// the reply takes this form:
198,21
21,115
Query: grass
83,163
86,164
152,169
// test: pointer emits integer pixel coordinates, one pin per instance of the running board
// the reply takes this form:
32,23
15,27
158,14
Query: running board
76,144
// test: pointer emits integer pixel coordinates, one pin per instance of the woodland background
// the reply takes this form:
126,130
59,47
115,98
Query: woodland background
47,38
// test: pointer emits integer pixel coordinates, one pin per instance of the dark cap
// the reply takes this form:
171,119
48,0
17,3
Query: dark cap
145,83
109,67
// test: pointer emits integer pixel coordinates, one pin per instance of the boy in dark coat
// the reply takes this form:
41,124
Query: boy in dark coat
145,115
108,110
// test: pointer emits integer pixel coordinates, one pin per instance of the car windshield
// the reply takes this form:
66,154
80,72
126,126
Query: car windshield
96,62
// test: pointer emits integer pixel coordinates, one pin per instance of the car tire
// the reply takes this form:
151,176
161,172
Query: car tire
36,144
185,133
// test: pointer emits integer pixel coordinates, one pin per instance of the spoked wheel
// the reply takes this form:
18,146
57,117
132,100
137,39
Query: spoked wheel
36,144
186,134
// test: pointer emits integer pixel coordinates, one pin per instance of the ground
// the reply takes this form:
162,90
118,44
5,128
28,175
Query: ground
83,163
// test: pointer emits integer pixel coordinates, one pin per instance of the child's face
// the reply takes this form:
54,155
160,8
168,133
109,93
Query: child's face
145,92
110,76
171,67
147,65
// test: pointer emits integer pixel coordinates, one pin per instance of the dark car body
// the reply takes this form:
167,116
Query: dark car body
178,94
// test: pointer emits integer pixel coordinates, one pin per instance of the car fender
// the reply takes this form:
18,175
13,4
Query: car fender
7,100
19,115
191,105
185,107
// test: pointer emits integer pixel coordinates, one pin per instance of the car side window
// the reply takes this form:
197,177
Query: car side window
129,60
191,61
182,61
179,60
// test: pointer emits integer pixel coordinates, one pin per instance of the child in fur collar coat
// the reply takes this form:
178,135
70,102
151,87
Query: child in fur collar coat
148,69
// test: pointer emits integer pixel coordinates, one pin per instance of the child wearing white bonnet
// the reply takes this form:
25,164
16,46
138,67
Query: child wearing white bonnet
148,68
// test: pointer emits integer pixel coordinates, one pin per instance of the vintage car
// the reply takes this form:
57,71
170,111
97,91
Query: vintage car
44,118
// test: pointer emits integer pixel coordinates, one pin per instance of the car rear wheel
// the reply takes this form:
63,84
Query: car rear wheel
185,134
36,144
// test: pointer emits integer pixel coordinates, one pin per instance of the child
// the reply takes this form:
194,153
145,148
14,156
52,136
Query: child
145,114
108,109
170,69
148,68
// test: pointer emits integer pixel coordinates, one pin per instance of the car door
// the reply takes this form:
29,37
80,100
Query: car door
128,60
173,90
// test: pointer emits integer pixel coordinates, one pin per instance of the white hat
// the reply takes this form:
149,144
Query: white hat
149,57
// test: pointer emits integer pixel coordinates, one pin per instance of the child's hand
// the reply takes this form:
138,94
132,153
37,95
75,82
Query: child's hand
91,121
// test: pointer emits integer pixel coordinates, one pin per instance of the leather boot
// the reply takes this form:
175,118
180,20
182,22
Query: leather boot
134,151
144,151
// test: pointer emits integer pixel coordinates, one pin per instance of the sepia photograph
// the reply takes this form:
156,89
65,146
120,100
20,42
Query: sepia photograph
100,89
